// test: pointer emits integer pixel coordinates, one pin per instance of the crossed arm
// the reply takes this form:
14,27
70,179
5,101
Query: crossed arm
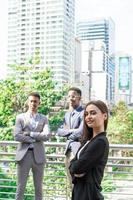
73,134
27,136
92,155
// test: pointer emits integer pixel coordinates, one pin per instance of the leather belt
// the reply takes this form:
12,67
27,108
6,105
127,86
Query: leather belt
30,149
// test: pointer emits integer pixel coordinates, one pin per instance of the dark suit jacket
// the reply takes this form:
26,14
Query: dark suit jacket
23,125
76,124
91,162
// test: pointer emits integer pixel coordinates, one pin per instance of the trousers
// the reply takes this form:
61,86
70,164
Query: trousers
68,158
23,169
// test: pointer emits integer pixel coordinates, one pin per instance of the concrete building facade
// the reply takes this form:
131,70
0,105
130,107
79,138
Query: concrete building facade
44,26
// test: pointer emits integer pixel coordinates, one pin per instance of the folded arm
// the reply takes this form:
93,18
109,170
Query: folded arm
19,134
27,136
89,158
74,133
42,136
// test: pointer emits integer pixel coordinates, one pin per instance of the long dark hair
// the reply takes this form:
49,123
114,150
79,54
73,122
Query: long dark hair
88,131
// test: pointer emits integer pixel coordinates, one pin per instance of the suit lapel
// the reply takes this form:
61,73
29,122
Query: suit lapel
67,119
26,121
38,120
71,122
75,116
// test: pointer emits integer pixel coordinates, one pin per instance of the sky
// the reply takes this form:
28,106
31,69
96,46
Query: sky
121,12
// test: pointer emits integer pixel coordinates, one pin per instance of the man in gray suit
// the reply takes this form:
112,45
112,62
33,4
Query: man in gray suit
72,127
31,129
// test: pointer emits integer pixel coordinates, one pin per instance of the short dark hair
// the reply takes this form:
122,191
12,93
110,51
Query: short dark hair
35,94
76,90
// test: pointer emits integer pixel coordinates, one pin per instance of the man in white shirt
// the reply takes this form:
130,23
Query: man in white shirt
31,130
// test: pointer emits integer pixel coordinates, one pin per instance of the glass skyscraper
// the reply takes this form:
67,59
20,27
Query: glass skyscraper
98,29
99,35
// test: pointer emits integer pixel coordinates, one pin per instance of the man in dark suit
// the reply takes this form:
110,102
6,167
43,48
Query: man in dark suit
31,129
72,126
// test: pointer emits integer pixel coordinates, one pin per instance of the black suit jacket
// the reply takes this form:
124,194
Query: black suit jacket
91,162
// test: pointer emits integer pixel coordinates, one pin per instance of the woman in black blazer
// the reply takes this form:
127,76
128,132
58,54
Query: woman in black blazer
87,168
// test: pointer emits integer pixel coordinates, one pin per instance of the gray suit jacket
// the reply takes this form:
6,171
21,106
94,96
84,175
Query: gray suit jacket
76,123
38,136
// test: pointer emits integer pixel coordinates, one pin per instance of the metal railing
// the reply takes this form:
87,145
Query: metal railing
117,183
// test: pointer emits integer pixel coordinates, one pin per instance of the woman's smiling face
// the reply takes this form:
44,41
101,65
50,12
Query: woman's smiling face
94,118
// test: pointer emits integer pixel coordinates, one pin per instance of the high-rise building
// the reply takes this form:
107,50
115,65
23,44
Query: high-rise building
99,29
46,27
98,44
77,65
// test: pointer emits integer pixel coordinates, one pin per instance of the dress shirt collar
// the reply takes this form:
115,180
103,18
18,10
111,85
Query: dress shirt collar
75,110
30,115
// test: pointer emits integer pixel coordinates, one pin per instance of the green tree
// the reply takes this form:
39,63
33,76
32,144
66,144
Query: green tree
121,125
14,92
